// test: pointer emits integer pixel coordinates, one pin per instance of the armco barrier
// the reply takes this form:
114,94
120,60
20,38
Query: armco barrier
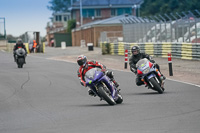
10,47
189,51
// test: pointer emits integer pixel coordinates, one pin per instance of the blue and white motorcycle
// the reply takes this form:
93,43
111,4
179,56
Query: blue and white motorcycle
150,75
102,86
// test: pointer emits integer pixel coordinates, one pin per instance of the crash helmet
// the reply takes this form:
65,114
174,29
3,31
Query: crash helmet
82,60
135,50
19,41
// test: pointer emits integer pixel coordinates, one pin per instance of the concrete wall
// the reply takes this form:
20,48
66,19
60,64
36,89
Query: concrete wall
3,44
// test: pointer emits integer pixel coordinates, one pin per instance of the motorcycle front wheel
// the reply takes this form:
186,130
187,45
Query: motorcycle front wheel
20,62
156,85
119,99
105,94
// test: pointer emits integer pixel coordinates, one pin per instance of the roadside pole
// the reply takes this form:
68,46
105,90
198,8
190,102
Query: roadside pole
170,64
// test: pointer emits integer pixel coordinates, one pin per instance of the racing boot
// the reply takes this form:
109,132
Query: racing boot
163,81
115,82
91,93
14,58
162,77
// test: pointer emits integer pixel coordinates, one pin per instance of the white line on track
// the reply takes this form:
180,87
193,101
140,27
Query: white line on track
122,71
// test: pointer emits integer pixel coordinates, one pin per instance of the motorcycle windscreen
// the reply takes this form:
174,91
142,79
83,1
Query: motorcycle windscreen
142,63
92,74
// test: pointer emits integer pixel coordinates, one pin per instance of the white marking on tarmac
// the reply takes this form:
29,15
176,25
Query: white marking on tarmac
167,79
124,71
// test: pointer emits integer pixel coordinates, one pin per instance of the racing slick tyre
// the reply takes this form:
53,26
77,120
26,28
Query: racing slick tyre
104,92
156,85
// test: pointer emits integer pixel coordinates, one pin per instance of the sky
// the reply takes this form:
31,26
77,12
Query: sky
25,15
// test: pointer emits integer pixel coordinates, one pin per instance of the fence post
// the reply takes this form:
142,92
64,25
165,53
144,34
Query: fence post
170,64
126,59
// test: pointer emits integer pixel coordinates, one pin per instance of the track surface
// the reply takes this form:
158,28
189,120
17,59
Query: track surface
46,97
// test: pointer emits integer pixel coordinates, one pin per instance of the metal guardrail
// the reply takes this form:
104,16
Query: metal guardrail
10,47
189,51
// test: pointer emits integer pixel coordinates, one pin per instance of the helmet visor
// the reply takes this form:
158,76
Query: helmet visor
135,52
80,62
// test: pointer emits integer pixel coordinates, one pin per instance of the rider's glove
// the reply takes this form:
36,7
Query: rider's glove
83,84
152,61
134,70
103,70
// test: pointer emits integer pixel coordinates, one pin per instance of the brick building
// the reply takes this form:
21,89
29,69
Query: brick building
58,24
104,30
93,10
99,19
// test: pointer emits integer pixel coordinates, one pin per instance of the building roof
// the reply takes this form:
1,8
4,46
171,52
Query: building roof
106,3
117,20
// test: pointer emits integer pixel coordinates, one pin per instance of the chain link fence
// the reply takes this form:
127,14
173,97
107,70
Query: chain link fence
111,36
184,27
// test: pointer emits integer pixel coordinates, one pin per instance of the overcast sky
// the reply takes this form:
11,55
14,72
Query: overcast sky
25,15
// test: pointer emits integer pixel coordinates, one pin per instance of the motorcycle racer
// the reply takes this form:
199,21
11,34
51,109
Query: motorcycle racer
87,65
19,44
136,56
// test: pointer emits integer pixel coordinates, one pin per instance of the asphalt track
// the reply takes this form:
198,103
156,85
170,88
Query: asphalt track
46,97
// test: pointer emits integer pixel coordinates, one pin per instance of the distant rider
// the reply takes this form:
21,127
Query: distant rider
19,44
87,65
136,56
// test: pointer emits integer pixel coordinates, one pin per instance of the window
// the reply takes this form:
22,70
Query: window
66,18
73,15
88,13
98,13
128,11
58,18
120,11
113,12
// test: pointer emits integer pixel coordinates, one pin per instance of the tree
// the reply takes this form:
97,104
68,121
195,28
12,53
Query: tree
70,25
154,7
11,38
59,5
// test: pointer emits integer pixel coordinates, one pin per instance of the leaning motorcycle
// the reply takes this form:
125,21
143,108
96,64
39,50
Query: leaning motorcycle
20,54
150,75
102,86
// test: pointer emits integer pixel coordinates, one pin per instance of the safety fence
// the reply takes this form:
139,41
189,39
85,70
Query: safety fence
173,27
40,48
189,51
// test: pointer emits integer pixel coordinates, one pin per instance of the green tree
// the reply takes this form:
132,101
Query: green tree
59,5
71,24
11,38
154,7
